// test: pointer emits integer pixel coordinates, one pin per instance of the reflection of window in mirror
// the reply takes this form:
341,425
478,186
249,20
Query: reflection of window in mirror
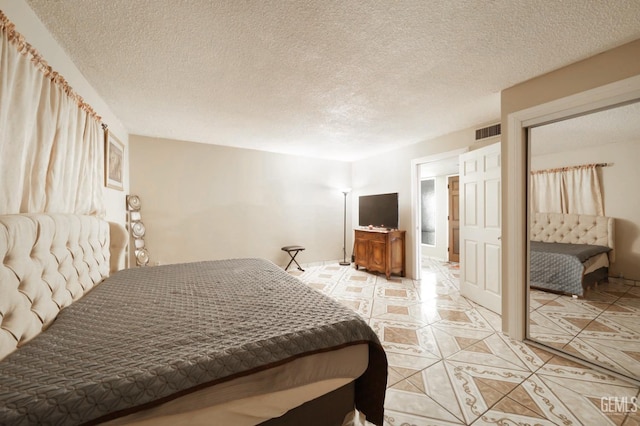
428,211
584,170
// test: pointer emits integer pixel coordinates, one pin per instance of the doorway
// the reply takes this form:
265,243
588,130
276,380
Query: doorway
439,168
435,210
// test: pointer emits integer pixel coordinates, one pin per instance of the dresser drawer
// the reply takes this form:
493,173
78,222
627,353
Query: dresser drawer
371,236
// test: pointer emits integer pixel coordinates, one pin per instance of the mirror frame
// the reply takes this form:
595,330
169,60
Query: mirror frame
515,302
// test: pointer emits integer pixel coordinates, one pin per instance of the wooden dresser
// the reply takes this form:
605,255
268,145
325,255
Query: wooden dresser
380,250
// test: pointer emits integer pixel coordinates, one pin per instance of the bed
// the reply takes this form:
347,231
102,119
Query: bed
235,341
569,252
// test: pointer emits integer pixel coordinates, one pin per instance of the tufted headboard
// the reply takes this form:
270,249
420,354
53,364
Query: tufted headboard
49,261
574,229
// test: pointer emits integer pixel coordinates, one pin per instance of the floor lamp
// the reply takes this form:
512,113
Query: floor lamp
344,243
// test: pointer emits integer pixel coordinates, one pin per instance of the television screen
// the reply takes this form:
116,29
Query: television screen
379,210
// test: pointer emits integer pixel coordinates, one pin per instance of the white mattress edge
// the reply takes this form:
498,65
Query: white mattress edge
253,399
596,262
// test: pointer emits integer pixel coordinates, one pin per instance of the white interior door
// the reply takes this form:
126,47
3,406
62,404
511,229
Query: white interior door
480,246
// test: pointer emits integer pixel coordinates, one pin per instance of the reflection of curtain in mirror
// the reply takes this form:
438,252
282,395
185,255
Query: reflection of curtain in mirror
567,190
50,140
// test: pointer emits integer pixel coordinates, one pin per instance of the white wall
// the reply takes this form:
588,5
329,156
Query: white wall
203,202
28,24
622,201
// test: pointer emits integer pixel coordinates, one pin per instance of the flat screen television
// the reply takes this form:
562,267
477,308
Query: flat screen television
380,210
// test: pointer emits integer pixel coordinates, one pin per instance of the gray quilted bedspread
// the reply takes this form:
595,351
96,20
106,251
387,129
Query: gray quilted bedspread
149,334
558,266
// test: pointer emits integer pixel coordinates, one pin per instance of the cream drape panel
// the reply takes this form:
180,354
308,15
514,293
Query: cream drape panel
50,142
567,190
546,192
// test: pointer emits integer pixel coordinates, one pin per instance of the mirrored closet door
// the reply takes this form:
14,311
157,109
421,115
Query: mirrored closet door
584,232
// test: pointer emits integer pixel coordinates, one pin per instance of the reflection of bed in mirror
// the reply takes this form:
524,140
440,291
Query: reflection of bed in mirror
600,327
570,252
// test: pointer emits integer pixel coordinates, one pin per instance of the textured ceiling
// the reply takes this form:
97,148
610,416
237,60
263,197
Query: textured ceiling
333,79
620,124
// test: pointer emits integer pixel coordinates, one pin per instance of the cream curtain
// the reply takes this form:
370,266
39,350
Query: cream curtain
50,140
567,190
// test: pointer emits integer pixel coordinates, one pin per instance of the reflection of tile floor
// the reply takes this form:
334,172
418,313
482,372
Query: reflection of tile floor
603,327
449,364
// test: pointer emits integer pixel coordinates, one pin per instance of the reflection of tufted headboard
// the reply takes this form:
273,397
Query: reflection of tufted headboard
49,261
574,229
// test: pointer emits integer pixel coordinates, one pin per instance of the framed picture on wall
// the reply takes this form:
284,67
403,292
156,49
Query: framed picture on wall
113,161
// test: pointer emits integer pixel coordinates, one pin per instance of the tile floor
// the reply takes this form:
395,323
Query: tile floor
449,364
603,326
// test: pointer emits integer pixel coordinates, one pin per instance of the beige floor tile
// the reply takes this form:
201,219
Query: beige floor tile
494,320
429,311
451,301
396,418
553,341
449,340
394,376
403,337
633,418
569,322
600,296
534,394
625,317
363,306
566,369
618,287
469,320
619,355
532,357
630,302
546,330
592,402
404,397
496,351
478,387
567,304
396,280
410,364
510,412
393,292
349,289
360,276
438,283
402,310
538,298
324,288
604,327
435,382
450,364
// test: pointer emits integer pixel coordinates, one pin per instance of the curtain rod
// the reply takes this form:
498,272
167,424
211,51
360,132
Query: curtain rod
18,41
567,168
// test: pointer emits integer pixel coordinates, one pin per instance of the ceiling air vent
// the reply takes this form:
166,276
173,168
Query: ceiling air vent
488,132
